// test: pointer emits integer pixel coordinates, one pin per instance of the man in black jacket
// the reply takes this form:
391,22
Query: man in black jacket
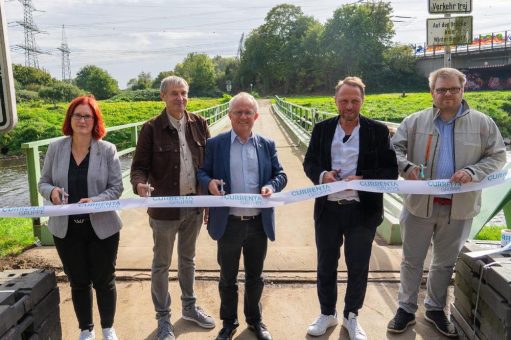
347,147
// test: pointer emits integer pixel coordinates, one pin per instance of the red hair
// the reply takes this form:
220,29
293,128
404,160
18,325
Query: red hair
99,130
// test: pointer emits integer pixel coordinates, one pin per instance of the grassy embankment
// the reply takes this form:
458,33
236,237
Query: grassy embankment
15,235
38,120
393,108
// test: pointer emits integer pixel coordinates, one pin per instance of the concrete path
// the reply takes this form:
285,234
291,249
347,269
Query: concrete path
289,300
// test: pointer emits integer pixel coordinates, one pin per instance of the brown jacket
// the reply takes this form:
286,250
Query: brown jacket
157,158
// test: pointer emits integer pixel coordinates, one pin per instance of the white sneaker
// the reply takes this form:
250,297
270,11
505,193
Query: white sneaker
109,334
321,324
355,331
86,335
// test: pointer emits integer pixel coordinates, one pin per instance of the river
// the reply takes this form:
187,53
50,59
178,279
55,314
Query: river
14,184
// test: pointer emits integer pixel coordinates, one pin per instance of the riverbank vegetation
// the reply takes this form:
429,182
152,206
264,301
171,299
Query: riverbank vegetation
393,107
15,235
38,120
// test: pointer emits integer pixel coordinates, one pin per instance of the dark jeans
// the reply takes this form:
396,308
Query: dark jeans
248,236
335,223
89,261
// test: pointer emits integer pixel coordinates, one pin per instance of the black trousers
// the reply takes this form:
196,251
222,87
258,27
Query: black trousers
250,237
90,262
340,224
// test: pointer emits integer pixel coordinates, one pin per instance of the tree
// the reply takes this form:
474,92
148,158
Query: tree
159,78
354,40
59,92
199,72
97,81
142,82
274,51
226,70
27,75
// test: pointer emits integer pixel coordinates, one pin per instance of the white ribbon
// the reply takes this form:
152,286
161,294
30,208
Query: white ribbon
432,187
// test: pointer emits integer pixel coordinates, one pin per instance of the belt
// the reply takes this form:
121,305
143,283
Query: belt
442,201
244,218
80,220
344,202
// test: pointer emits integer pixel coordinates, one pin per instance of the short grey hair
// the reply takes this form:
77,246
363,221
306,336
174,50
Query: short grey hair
446,73
172,81
241,96
352,81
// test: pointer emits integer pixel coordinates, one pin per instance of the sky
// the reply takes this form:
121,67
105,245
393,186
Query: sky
126,37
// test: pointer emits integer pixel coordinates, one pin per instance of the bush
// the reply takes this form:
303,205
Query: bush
137,96
26,96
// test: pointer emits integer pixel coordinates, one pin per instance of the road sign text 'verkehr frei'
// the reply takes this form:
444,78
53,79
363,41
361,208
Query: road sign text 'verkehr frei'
449,31
449,6
8,116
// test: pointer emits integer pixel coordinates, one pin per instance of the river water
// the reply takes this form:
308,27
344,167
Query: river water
14,184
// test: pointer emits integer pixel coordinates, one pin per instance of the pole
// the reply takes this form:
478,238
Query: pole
447,50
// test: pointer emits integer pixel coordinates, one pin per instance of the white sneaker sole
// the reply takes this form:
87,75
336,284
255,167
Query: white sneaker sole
320,334
203,325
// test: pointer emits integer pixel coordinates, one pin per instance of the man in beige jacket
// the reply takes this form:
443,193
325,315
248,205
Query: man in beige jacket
448,141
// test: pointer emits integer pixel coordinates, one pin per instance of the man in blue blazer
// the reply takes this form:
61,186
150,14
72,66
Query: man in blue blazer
240,161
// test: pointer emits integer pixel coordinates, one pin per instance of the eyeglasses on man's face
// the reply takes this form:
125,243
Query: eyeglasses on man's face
452,90
87,118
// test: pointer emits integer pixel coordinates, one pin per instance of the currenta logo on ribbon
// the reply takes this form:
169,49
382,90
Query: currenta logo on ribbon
432,187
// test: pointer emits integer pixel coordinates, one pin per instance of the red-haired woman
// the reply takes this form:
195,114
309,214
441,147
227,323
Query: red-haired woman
82,168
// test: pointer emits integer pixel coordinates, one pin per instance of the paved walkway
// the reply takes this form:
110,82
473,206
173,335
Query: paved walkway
289,299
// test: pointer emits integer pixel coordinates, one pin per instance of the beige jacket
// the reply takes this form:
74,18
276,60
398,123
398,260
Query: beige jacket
478,148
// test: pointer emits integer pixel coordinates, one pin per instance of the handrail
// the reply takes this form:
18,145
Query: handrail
212,115
305,118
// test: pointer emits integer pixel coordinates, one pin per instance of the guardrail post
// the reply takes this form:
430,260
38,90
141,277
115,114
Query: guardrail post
507,214
314,113
34,174
134,136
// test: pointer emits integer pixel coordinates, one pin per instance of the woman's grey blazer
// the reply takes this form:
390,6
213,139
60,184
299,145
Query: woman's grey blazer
104,183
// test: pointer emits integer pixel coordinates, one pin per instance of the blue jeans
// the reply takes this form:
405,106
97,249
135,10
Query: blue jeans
164,234
250,237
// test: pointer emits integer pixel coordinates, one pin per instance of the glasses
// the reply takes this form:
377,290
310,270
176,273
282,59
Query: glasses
87,118
452,90
246,113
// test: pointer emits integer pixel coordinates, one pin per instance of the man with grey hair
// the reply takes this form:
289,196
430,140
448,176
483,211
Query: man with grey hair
447,141
170,148
240,161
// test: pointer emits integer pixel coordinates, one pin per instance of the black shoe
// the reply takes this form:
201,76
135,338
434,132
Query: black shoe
441,322
227,332
401,321
261,331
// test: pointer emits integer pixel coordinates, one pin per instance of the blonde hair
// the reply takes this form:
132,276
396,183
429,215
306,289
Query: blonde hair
352,81
446,73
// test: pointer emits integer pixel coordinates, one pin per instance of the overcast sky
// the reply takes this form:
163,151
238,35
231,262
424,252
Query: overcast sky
129,36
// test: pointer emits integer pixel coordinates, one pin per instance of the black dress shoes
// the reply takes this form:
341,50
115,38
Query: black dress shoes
227,332
261,331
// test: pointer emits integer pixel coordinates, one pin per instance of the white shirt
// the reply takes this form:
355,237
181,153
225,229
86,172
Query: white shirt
344,158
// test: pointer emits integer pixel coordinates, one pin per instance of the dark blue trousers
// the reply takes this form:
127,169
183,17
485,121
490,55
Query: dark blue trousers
336,225
249,237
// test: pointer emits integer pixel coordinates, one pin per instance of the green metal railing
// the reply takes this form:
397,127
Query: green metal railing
305,118
32,152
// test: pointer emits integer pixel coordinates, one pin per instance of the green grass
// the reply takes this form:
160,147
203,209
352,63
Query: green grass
37,120
15,235
392,107
490,233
